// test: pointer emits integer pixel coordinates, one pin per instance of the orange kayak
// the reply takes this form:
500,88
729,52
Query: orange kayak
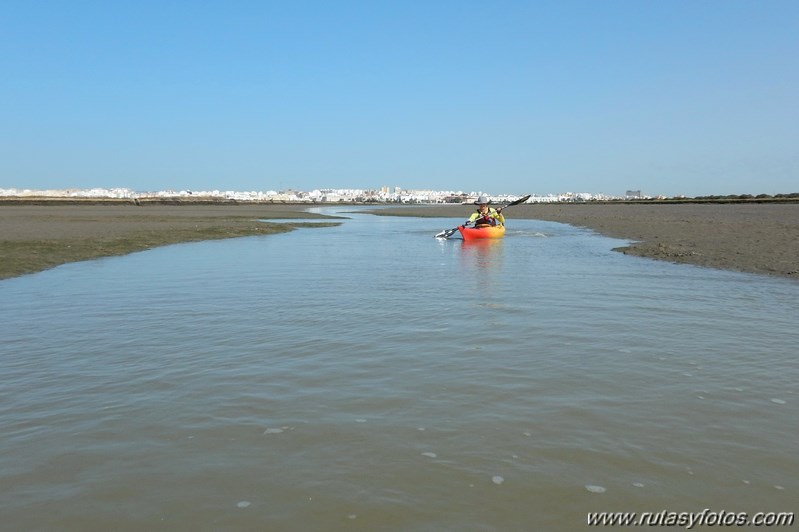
489,231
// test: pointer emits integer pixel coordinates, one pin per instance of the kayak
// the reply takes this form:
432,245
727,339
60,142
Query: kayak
489,231
474,233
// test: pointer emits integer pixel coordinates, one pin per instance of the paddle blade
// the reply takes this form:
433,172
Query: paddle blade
518,201
446,233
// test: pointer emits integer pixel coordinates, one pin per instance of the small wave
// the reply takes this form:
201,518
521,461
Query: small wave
528,234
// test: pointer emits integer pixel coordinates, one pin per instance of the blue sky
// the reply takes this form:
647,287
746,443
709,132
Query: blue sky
670,97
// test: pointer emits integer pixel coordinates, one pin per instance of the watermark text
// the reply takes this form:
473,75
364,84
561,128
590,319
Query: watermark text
689,520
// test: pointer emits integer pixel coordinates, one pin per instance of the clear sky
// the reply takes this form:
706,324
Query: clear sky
671,97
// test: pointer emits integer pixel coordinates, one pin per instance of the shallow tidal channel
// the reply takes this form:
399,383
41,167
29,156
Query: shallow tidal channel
371,377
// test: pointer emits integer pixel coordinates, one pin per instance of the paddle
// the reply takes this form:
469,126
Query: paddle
449,232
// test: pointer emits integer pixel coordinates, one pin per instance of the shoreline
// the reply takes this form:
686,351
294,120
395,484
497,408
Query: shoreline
759,238
38,237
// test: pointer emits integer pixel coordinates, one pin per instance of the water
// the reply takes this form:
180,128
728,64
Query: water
370,377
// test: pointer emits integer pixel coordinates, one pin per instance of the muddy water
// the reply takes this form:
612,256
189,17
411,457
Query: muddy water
370,377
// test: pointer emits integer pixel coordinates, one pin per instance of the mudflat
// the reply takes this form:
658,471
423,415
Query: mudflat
38,237
758,238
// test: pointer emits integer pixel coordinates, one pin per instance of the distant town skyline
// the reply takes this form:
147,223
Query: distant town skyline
672,98
384,194
330,195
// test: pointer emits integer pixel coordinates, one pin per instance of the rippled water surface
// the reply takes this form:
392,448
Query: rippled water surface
370,377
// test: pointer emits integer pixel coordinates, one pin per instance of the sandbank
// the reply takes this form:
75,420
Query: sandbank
760,238
35,237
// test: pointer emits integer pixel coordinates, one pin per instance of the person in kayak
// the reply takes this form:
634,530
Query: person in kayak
486,215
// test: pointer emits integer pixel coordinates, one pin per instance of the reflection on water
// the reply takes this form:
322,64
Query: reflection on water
481,266
485,253
370,377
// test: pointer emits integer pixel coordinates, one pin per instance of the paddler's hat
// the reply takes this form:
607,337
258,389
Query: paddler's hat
482,200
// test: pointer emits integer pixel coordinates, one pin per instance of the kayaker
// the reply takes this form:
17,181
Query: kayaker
486,215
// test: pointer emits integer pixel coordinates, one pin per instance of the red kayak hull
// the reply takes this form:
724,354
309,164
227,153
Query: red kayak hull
473,233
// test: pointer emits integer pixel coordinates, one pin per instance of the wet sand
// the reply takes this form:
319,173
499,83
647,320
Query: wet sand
756,238
37,237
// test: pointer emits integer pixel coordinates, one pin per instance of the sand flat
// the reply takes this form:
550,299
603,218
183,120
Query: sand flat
39,236
758,238
749,237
